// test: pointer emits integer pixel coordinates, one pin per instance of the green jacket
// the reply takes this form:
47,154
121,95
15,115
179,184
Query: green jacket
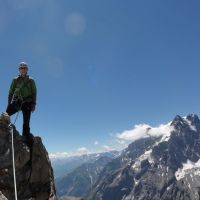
23,88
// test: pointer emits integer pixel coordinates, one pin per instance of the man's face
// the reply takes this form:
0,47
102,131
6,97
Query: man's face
23,71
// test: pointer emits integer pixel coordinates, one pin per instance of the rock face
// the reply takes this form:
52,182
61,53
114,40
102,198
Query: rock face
163,168
34,174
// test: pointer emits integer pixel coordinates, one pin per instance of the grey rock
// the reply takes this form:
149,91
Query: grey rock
2,197
34,174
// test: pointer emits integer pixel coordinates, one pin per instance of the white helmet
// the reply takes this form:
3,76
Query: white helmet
23,65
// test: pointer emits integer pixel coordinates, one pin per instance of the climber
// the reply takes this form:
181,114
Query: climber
22,96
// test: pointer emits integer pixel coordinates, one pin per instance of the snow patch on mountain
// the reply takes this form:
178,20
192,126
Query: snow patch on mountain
146,155
187,169
192,127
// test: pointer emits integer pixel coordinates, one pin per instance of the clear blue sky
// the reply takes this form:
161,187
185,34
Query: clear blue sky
102,66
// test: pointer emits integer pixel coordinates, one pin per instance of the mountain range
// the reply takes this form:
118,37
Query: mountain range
158,168
71,184
161,166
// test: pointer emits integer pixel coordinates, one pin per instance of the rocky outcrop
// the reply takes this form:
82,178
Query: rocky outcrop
34,174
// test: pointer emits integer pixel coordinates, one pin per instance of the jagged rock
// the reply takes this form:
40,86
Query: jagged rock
2,197
34,174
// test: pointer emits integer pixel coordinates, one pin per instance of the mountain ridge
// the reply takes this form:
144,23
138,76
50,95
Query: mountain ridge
63,166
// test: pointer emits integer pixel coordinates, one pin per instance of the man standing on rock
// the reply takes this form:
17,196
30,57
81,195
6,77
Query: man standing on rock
22,96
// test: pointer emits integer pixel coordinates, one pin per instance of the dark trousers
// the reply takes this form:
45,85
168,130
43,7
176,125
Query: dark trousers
26,110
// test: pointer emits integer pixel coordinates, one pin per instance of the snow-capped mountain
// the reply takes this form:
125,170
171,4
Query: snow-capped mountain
158,167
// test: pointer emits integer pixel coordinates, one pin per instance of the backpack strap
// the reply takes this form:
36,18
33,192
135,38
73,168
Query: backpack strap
30,79
16,80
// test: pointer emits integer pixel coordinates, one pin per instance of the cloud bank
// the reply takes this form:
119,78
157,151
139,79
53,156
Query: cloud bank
145,130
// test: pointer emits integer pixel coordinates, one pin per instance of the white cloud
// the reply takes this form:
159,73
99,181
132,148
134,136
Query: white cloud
82,149
59,155
145,130
75,24
107,148
122,142
118,144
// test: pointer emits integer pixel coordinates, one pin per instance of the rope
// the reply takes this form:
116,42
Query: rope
13,150
13,160
13,155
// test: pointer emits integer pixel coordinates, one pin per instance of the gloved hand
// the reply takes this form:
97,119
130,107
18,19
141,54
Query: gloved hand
33,107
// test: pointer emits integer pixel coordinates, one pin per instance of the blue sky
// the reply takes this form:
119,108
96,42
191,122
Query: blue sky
102,67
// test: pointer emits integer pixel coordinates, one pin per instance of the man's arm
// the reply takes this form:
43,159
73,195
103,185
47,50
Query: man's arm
34,95
11,91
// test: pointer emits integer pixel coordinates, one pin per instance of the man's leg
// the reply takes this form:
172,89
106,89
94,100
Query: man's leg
11,109
26,110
